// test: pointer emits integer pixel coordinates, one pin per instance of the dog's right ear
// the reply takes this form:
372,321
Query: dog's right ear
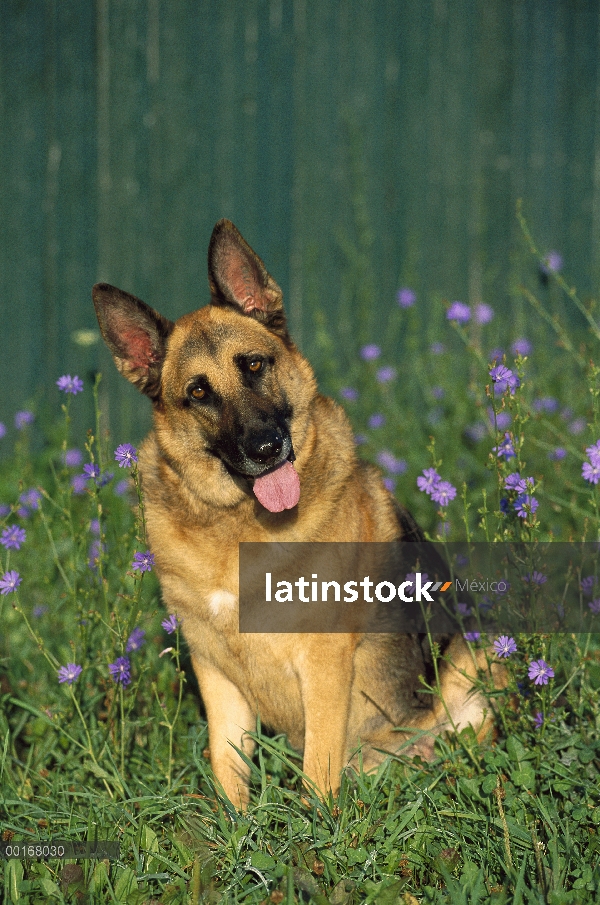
135,334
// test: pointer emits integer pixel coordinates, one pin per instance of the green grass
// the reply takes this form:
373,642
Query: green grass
515,820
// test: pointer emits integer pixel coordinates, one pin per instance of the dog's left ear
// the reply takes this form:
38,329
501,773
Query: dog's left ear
238,278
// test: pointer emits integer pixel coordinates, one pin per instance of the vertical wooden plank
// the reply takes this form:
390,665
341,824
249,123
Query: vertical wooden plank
299,172
24,156
595,230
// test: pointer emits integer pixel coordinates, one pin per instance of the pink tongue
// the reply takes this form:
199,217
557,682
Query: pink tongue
279,489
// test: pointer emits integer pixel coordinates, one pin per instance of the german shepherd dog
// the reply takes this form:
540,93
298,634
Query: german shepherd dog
244,448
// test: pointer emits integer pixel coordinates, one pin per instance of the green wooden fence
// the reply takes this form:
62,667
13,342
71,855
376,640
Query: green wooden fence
359,145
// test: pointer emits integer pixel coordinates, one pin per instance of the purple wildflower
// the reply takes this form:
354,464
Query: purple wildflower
389,484
594,605
13,537
545,404
389,461
171,624
385,375
496,355
476,432
94,554
412,577
463,609
121,487
9,582
504,379
430,480
525,505
577,426
535,578
370,352
31,498
504,505
69,673
459,312
513,383
69,384
376,420
126,455
505,646
22,419
500,373
135,640
39,610
79,483
590,473
443,493
483,314
143,562
538,720
593,453
587,584
552,263
512,481
437,348
540,672
438,392
91,470
349,393
361,439
104,479
95,527
472,636
525,484
502,420
558,454
72,458
2,429
521,347
505,448
406,297
120,671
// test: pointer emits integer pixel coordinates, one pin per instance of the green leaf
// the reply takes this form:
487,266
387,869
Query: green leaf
14,877
262,861
515,749
99,878
391,894
49,888
587,755
489,784
525,777
471,786
357,856
125,884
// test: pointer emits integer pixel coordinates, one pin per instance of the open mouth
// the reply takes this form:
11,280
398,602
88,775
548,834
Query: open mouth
276,488
279,487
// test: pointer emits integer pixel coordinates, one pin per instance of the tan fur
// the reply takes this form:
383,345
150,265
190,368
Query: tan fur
330,693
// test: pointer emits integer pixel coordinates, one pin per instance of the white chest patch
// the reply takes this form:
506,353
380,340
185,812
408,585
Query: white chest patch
221,602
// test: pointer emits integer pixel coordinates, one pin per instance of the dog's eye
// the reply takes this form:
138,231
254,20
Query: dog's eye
198,393
255,365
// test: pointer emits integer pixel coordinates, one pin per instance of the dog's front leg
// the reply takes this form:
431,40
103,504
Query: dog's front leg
229,719
326,681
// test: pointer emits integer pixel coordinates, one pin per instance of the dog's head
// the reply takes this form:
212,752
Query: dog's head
231,393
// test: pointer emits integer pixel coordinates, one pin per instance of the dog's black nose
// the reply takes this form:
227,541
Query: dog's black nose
264,446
